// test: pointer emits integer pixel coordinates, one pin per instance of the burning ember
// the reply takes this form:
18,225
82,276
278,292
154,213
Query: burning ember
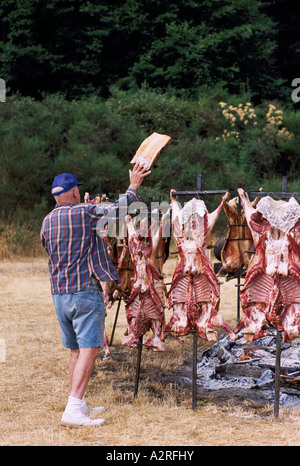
237,365
248,354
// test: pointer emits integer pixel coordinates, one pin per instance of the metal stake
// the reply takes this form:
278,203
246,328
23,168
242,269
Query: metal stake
199,182
277,374
194,375
278,344
238,295
138,366
115,322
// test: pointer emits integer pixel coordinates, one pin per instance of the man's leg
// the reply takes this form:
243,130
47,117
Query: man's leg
73,360
81,316
82,363
80,368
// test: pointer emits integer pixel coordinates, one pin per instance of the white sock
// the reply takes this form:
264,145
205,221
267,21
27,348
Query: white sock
84,407
74,406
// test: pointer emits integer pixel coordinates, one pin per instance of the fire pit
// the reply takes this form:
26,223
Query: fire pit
251,366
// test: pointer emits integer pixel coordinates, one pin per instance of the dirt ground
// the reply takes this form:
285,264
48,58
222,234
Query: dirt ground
34,382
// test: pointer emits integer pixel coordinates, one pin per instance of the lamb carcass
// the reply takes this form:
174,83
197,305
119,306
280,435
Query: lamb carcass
145,308
94,201
194,293
239,239
121,258
271,293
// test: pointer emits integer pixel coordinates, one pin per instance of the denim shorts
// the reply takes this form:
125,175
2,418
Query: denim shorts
81,316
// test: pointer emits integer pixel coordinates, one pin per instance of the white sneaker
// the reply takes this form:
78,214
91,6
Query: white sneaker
88,410
77,421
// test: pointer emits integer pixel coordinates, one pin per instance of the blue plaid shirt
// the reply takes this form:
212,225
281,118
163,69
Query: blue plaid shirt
75,249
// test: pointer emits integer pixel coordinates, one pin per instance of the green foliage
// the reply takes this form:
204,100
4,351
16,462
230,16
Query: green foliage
82,48
210,42
96,139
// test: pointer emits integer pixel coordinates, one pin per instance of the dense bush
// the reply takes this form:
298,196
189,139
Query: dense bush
226,139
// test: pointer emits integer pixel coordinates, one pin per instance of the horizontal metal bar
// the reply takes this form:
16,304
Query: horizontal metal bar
239,239
191,330
267,335
282,195
191,193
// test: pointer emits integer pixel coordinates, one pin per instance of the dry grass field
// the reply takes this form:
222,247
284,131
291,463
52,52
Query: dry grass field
34,382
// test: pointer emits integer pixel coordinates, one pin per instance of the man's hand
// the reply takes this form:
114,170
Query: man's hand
136,176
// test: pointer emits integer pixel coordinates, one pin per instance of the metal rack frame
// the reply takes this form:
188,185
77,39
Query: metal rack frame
278,195
199,192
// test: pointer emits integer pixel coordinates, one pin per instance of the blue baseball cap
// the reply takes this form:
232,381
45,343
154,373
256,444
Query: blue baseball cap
63,183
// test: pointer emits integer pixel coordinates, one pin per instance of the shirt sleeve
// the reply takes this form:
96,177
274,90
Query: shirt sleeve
43,238
112,210
42,234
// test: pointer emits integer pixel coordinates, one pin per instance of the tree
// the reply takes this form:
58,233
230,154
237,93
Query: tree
209,42
285,14
81,48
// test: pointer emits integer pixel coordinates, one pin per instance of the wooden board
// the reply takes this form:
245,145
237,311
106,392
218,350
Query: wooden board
150,149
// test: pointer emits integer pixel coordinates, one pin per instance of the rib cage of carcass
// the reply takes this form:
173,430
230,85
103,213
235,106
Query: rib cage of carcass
271,293
194,293
145,309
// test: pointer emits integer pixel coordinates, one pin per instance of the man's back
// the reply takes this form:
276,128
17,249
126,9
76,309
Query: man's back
74,249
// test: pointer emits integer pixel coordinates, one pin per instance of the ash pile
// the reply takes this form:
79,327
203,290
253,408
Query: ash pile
230,365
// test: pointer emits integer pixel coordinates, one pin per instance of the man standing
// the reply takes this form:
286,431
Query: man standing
78,261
